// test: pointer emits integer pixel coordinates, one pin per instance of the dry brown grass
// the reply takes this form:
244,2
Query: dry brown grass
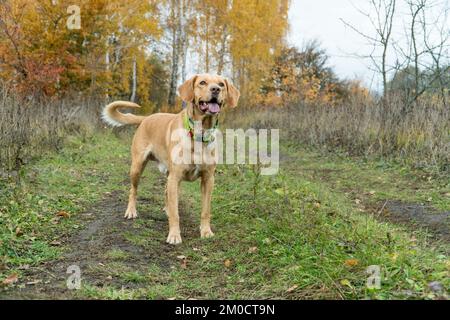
29,128
419,136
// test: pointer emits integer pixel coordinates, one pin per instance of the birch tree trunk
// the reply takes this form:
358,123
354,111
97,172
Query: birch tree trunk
134,84
175,12
223,45
184,47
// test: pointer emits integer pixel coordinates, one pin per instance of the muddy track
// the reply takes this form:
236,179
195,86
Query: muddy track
104,229
418,216
412,216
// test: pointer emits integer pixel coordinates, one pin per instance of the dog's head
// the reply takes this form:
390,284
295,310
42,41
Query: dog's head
209,93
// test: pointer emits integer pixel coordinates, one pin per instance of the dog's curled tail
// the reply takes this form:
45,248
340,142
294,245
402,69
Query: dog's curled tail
113,117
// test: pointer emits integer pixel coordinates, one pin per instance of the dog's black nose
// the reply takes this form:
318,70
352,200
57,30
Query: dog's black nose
215,90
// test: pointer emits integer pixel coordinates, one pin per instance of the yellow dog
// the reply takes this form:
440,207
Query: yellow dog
205,96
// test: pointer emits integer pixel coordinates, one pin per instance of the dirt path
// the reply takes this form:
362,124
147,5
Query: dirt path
105,242
416,216
410,214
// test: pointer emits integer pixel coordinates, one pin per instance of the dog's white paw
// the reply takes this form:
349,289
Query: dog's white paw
131,214
174,238
206,233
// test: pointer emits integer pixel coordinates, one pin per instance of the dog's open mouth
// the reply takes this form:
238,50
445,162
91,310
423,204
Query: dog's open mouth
211,107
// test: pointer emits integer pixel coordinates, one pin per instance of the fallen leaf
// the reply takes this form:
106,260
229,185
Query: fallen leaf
316,205
30,283
372,192
252,249
291,289
63,214
351,262
183,262
109,277
24,267
18,232
12,278
357,201
55,243
227,263
345,282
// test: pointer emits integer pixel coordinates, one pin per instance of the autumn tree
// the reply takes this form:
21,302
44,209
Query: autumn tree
128,59
211,31
257,31
225,37
302,75
35,53
108,54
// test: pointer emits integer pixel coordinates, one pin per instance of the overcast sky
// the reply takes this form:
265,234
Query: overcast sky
320,19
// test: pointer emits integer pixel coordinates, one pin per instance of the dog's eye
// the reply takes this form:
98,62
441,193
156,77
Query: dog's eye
222,84
203,83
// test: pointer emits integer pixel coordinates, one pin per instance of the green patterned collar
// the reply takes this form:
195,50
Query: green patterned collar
207,136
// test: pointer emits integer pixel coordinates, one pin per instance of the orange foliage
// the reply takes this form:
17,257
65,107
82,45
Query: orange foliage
39,54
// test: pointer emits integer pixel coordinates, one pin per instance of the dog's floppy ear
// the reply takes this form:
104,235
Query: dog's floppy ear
186,90
233,94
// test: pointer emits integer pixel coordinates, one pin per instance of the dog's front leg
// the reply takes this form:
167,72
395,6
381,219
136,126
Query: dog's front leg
207,188
173,183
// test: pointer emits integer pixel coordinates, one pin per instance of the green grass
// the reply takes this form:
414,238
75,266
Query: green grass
296,235
304,233
116,254
373,180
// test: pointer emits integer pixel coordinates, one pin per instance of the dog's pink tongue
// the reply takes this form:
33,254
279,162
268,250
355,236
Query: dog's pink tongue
213,107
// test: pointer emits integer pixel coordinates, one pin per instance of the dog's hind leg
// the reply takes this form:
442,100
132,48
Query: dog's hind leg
137,167
166,201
